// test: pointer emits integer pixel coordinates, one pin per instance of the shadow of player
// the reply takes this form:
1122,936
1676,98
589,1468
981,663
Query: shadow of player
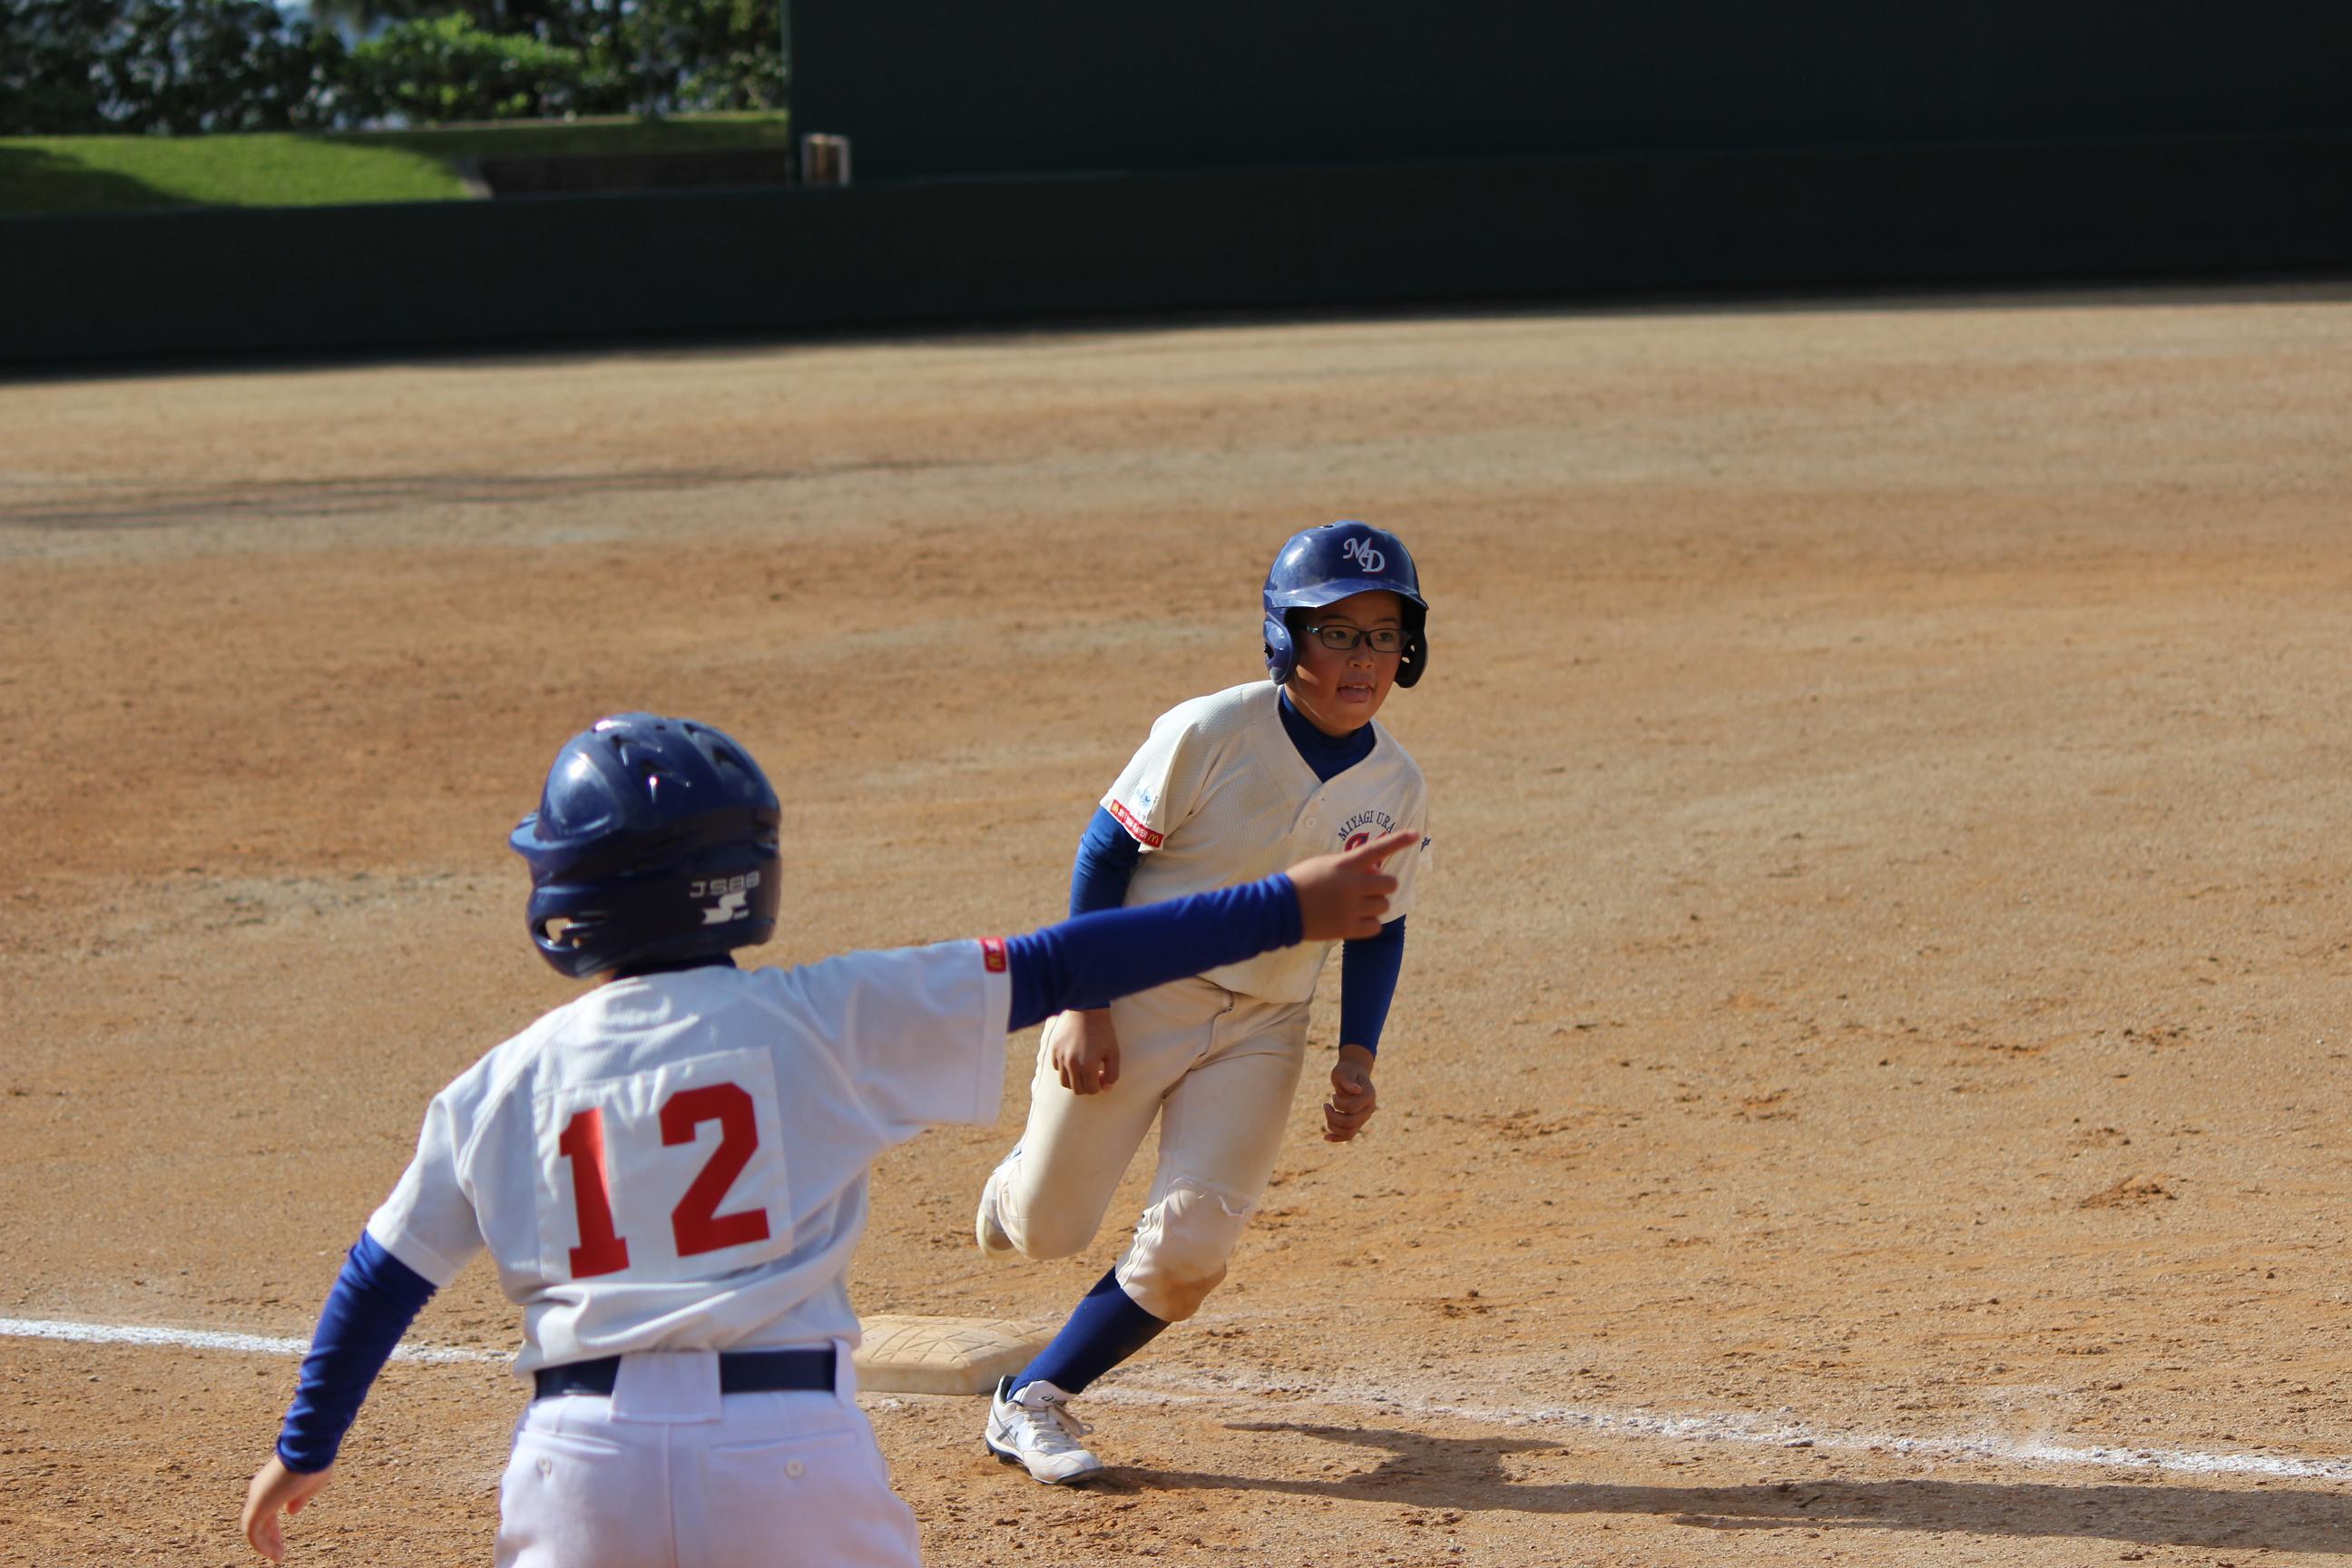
1469,1474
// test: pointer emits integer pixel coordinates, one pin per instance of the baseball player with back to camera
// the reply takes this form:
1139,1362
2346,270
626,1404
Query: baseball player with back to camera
670,1170
1229,786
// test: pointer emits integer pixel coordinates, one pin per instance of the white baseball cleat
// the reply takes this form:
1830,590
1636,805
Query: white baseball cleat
1035,1427
986,1228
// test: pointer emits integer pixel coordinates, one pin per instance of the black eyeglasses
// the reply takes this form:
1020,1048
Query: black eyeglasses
1341,639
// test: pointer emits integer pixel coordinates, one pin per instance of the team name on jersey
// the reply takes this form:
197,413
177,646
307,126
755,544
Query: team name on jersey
1356,831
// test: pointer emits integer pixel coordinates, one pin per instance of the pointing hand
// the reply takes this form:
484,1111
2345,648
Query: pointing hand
1342,897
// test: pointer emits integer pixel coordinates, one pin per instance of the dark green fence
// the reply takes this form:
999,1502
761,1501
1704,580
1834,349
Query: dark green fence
928,88
213,282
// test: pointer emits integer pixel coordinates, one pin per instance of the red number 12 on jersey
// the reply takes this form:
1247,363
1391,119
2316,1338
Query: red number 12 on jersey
695,1224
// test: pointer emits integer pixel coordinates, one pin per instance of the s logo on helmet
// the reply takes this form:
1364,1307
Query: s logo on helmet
734,894
1366,554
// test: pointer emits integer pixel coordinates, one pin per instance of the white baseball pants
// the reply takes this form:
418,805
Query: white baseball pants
1219,1070
668,1470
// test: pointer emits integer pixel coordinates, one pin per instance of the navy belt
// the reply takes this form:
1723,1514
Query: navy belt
740,1371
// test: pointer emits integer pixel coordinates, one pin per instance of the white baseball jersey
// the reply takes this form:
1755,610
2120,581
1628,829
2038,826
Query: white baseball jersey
678,1162
1219,794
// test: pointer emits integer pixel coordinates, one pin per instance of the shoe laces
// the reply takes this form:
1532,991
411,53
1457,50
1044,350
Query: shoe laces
1050,1422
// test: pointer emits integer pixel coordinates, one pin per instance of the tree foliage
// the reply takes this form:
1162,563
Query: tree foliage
68,67
448,68
714,54
184,66
49,67
178,66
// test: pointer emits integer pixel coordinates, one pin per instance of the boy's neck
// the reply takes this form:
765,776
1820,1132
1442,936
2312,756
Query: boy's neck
1326,754
669,966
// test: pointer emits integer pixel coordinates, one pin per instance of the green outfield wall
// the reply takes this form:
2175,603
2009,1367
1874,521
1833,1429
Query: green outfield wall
1041,159
929,88
229,282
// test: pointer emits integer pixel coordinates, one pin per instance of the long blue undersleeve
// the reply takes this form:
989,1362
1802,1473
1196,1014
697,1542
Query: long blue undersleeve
1086,961
1368,978
375,1298
1104,866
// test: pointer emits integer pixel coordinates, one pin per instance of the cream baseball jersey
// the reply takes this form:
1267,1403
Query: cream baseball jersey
1218,794
678,1162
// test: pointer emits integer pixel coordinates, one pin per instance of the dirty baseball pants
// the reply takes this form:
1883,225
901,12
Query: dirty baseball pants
668,1469
1219,1070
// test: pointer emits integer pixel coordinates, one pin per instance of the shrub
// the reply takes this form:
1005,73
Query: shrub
448,68
177,67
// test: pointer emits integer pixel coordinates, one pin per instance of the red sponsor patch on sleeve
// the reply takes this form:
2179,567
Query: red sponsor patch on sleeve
991,954
1143,834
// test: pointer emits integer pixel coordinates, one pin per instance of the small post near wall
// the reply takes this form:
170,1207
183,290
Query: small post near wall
824,160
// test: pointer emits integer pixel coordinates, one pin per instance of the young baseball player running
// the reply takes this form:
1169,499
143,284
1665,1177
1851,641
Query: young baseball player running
669,1171
1228,786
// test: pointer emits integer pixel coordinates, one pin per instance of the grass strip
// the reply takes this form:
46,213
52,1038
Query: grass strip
87,174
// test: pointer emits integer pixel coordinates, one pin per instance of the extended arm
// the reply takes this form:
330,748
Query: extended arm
1096,957
1086,961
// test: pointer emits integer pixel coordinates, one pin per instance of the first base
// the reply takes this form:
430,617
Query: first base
944,1355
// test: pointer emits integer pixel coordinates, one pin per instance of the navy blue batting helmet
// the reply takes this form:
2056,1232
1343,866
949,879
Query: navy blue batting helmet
655,841
1323,565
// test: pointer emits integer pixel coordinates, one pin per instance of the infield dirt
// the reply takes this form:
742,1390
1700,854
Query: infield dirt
1880,989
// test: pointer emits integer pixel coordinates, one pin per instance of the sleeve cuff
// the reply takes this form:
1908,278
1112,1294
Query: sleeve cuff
437,1269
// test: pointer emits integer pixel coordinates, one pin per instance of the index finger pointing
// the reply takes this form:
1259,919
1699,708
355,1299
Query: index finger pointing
1381,848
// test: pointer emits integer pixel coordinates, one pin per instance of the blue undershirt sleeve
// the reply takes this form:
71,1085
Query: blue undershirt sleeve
1105,865
375,1298
1368,978
1086,961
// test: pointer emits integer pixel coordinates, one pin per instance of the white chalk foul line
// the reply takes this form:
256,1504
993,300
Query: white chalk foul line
209,1339
1756,1430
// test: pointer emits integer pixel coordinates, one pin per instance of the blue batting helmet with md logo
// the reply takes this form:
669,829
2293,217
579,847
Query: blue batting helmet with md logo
653,843
1325,565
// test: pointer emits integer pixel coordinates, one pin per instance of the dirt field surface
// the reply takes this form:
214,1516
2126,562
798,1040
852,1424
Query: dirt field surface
1867,1083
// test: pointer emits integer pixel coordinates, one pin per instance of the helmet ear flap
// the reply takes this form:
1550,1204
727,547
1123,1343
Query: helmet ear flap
1281,652
1416,658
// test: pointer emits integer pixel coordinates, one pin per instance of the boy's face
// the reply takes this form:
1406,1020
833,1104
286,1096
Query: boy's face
1337,690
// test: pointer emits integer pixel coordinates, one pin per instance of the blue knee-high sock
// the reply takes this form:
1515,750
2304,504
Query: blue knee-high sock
1106,1329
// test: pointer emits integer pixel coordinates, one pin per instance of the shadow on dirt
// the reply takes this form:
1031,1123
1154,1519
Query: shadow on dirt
1467,1474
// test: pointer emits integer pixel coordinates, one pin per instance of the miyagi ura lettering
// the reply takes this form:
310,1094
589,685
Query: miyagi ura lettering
1356,831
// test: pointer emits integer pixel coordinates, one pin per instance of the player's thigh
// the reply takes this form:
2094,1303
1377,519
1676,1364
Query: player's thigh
1075,1147
811,1492
1221,1126
578,1496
